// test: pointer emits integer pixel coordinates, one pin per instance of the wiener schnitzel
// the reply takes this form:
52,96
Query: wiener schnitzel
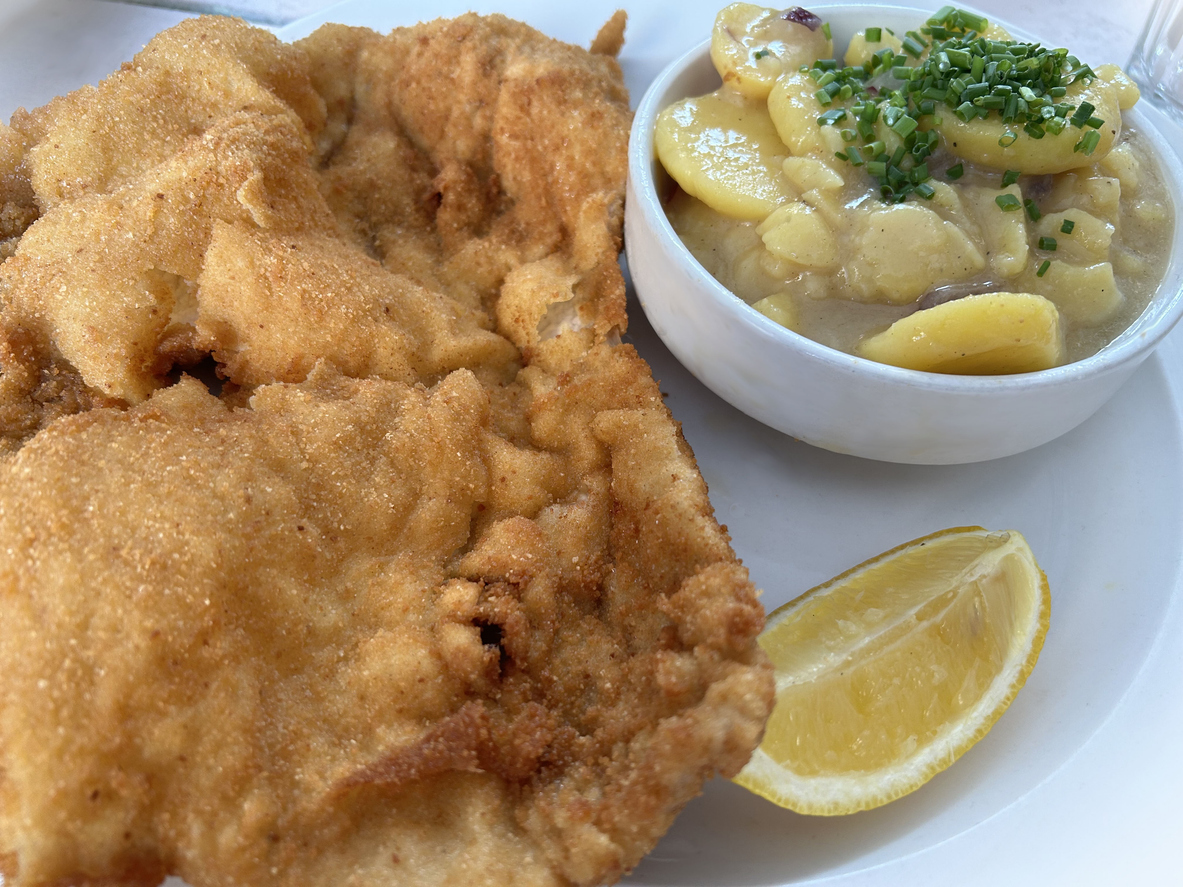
344,542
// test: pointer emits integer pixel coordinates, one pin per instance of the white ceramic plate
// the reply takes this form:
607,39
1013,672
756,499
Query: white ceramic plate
1078,783
1075,783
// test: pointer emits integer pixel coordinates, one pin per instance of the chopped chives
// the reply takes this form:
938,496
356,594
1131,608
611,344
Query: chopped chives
1067,226
904,126
761,53
1008,202
1048,243
1082,114
1088,142
925,190
1043,268
826,30
1033,212
948,63
1010,177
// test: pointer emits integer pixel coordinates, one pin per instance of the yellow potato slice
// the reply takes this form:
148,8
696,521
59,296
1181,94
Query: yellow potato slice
780,308
794,109
724,151
1096,194
903,251
860,49
1122,165
797,232
978,140
1127,90
988,334
808,174
1085,294
1004,233
1088,241
752,45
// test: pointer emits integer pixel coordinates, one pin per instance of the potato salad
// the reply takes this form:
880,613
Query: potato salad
946,199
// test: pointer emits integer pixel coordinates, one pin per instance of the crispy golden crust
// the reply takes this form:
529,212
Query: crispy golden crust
429,591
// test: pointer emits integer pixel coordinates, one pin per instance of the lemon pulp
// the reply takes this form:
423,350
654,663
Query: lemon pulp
891,671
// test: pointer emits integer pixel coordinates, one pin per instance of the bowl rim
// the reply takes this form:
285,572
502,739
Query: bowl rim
1134,343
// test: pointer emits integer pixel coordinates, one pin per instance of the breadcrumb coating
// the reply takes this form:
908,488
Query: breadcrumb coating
344,541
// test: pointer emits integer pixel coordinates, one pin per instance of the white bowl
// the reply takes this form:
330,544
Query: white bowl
838,401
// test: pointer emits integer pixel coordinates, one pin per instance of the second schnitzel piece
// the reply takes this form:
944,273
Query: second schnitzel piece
425,589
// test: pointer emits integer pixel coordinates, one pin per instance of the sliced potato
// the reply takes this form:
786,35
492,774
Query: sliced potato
996,32
1005,233
1127,90
988,334
779,307
1087,295
794,109
1088,241
1097,195
860,49
978,141
797,232
903,251
1122,165
724,151
809,173
752,45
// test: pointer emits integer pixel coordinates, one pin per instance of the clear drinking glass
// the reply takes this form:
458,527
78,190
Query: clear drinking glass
1157,62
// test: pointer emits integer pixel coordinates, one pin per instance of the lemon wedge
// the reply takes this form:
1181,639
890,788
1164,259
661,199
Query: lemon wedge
888,673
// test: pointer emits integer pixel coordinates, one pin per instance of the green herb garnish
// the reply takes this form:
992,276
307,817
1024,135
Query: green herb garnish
1033,212
1043,268
1008,202
1048,243
1067,226
1088,142
967,74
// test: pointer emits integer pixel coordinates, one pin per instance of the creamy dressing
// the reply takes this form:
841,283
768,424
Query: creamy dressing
842,306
